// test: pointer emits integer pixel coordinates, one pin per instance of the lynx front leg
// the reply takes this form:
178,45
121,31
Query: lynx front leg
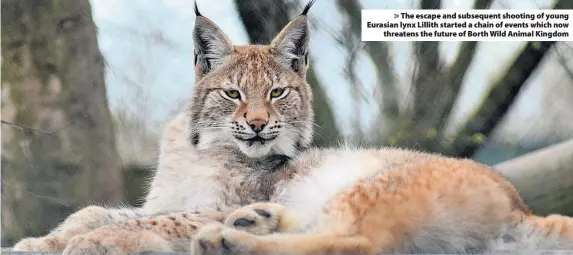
116,241
260,219
81,222
218,240
165,233
267,218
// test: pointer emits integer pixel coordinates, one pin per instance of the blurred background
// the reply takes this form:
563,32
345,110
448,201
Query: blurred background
87,87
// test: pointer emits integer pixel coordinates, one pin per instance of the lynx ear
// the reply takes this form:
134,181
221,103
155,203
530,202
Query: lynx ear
212,47
291,44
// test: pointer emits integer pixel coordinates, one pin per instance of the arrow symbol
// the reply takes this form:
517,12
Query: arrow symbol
396,15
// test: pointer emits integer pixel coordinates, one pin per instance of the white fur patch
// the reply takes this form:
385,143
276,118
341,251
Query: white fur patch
524,238
182,180
309,194
256,150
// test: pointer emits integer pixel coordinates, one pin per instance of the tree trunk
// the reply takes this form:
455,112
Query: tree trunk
58,147
433,79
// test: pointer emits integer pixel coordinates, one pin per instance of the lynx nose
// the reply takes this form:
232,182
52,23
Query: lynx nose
257,125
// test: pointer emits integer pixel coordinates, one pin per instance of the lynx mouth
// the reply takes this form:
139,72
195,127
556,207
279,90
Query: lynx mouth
256,139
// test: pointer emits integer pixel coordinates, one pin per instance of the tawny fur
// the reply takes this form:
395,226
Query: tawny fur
368,202
325,201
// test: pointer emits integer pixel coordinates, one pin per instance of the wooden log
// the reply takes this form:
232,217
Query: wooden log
544,178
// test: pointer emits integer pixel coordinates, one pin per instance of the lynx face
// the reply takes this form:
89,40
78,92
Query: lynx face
254,98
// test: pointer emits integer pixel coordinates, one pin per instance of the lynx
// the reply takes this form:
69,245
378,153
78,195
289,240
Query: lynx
248,115
236,176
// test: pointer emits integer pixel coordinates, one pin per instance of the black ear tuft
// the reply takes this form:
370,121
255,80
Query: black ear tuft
197,13
195,139
290,46
212,47
307,7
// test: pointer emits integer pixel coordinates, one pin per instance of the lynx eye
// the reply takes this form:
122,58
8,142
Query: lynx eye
277,92
233,94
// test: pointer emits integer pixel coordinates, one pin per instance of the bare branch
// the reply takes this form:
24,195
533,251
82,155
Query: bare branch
427,52
53,132
380,56
357,92
500,98
25,128
456,73
435,81
426,86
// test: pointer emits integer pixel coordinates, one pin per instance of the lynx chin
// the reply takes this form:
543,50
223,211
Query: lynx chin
236,176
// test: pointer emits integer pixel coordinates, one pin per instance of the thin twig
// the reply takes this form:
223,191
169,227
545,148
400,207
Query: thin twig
48,198
85,115
25,128
51,133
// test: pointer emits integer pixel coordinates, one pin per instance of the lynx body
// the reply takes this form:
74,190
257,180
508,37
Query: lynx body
387,201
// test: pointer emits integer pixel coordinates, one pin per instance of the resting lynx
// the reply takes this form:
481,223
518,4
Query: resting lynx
243,140
220,152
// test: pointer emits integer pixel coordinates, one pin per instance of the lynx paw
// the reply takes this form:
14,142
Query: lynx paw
216,239
81,244
41,244
81,222
116,242
259,218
